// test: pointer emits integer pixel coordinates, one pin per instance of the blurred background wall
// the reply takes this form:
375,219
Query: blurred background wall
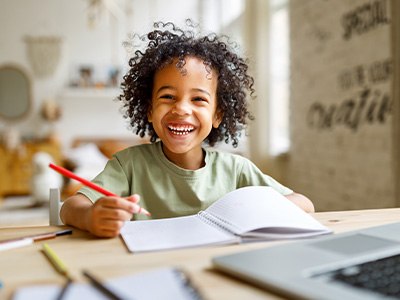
324,74
342,103
89,36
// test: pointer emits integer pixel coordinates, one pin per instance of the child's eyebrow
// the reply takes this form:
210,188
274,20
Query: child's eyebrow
168,87
165,87
202,91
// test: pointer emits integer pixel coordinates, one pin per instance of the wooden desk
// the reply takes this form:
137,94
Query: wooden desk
110,258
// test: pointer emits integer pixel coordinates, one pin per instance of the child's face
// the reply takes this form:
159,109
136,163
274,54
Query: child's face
184,108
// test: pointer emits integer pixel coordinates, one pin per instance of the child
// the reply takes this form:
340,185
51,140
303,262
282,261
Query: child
182,91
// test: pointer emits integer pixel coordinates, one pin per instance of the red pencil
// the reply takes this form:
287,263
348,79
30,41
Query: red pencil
88,183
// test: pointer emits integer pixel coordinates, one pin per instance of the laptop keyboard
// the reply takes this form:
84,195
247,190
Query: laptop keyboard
381,276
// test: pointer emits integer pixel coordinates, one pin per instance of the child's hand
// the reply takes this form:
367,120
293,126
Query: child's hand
108,214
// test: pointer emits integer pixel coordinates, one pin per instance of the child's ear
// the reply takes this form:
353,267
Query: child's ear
217,119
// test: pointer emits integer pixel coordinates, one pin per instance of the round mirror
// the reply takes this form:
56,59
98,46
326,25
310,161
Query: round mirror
15,92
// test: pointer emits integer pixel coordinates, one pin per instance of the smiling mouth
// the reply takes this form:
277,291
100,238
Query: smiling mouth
181,130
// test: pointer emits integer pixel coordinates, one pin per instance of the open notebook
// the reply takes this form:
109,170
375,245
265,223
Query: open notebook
247,214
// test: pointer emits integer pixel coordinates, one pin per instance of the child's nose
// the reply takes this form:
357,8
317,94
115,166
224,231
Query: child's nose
181,108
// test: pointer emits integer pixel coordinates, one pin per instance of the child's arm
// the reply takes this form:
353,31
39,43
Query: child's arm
104,218
302,201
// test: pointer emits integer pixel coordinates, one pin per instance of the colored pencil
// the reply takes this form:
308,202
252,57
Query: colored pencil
89,184
60,267
100,286
30,239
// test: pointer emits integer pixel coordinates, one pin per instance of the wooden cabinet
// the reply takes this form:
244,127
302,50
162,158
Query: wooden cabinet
16,165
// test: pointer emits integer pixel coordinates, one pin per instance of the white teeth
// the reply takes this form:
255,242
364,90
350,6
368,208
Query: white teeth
181,130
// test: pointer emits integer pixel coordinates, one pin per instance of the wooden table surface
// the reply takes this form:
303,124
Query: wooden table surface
110,258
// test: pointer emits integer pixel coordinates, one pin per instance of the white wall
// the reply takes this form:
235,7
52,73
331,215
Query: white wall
80,44
86,114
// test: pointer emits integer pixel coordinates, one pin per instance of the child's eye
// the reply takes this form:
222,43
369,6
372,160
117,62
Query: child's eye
167,96
200,99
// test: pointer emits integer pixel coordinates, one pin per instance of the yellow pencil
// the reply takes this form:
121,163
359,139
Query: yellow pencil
60,267
55,260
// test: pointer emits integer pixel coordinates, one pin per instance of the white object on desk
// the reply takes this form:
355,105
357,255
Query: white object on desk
43,178
170,283
55,207
16,244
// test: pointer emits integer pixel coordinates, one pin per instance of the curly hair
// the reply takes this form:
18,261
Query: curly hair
168,42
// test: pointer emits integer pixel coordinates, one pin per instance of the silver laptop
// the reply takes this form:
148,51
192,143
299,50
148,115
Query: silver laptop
362,264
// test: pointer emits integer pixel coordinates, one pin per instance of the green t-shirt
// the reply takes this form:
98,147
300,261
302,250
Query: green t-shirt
167,190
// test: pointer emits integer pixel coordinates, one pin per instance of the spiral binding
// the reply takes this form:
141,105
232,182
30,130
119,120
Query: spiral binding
184,278
218,222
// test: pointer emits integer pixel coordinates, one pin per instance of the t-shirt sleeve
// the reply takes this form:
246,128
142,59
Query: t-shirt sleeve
112,178
251,175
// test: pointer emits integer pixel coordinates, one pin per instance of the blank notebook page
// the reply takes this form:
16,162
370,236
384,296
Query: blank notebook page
189,231
254,207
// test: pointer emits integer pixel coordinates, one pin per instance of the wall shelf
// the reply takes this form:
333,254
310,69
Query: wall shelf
90,93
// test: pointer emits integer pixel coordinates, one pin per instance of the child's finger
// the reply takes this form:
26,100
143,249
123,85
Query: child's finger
140,210
136,208
135,198
116,203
